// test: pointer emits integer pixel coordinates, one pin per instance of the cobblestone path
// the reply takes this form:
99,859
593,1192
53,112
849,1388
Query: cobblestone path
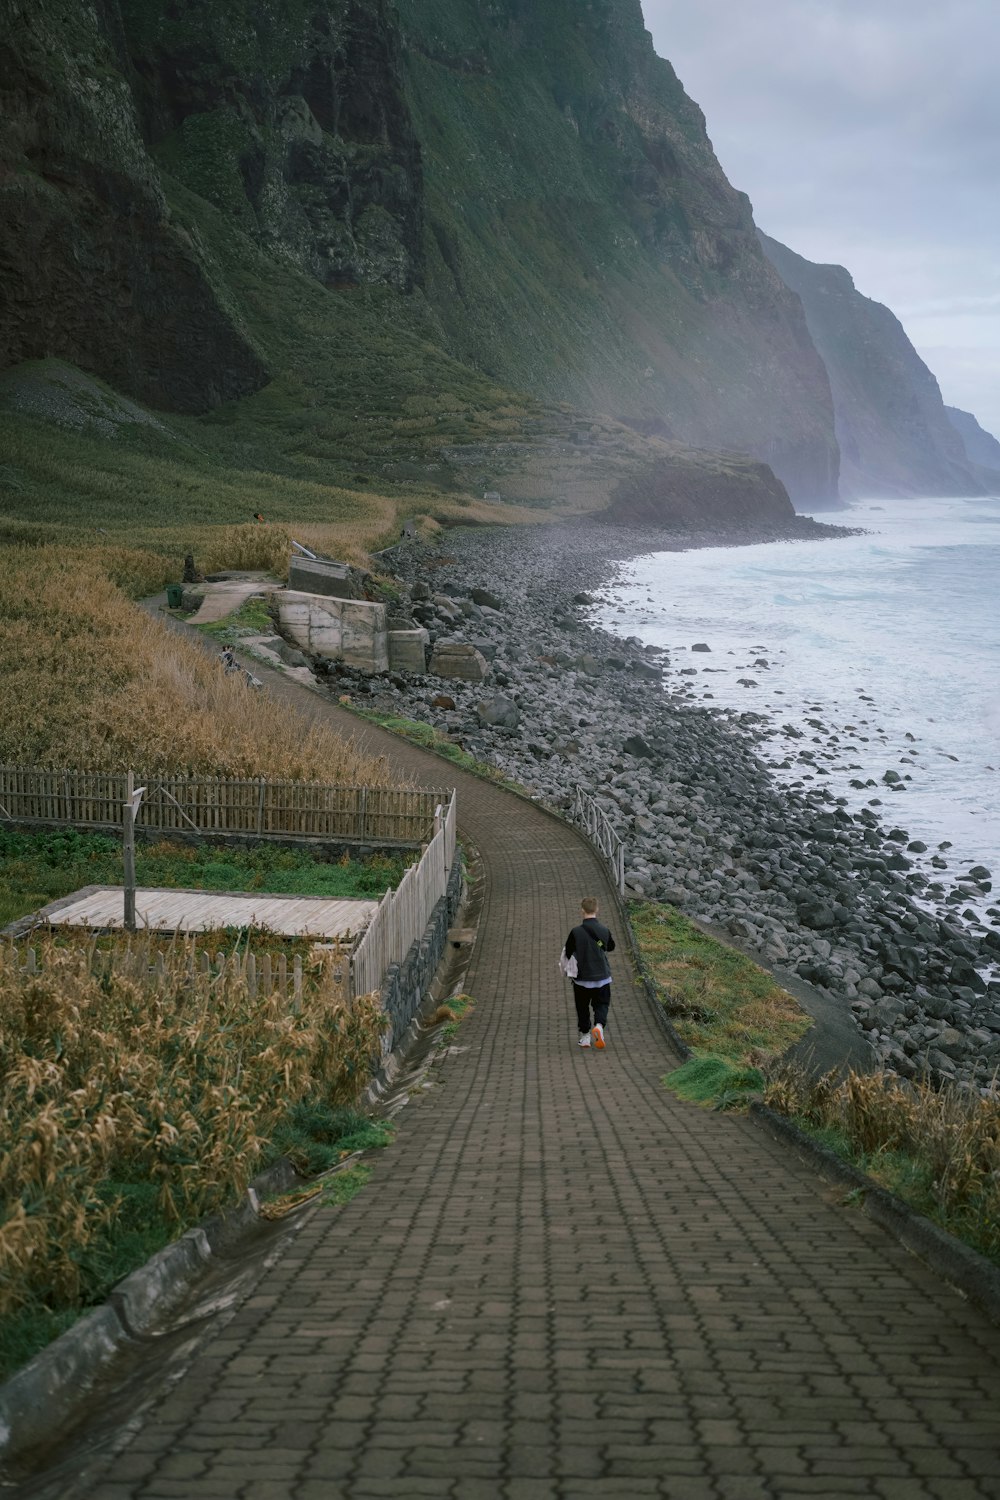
561,1282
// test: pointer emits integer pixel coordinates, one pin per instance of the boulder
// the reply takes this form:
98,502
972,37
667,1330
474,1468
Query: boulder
483,596
636,745
701,646
499,712
292,656
458,660
816,914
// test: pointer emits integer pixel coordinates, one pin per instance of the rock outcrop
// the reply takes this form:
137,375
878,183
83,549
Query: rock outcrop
692,490
291,120
892,426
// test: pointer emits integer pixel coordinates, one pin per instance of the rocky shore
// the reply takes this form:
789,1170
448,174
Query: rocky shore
795,877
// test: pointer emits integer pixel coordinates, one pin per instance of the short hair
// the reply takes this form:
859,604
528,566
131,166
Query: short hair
589,905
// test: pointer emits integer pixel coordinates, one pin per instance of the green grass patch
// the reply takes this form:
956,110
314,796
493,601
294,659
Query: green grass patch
716,1082
453,1014
315,1136
728,1010
252,618
936,1147
36,868
429,738
346,1185
718,1000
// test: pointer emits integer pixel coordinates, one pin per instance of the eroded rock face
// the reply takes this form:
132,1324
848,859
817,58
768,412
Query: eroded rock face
688,332
93,269
292,122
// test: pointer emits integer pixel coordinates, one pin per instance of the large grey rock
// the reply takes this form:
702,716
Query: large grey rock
483,596
500,712
457,659
292,656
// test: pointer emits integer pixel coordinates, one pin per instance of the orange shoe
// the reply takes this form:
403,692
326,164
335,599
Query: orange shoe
597,1036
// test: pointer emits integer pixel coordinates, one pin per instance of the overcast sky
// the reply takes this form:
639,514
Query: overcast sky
866,132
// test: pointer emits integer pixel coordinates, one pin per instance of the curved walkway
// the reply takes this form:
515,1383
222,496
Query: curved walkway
562,1282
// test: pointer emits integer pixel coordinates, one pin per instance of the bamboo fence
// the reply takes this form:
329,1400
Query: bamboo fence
220,805
403,914
263,975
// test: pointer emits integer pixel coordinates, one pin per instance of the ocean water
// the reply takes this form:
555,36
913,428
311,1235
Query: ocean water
889,642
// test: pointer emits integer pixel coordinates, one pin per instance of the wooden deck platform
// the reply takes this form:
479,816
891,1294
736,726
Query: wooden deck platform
202,911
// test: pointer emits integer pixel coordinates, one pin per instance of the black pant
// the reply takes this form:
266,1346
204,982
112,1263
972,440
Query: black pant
599,999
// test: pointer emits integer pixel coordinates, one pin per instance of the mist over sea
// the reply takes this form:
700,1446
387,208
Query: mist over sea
876,638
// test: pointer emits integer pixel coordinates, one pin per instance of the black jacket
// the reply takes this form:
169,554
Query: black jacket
591,942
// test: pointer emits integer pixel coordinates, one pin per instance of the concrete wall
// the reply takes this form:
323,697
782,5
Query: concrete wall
349,630
317,576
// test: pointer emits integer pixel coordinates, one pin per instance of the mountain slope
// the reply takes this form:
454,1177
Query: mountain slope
366,231
894,434
583,243
981,446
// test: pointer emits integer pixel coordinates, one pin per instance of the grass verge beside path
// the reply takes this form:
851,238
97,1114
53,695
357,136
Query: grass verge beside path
36,868
727,1009
938,1149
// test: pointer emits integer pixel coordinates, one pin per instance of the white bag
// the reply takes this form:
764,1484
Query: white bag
568,966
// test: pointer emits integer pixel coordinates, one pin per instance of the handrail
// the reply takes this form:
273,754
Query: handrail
594,822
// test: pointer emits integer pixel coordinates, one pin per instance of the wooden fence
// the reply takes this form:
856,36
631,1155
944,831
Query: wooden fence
264,975
221,805
594,822
403,914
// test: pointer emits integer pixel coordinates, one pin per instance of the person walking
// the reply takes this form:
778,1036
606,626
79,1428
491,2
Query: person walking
589,943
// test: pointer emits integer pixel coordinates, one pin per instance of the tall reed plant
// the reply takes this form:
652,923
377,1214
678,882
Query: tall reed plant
176,1082
938,1147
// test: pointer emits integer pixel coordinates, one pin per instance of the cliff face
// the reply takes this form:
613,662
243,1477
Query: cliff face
290,119
583,243
981,446
521,190
91,266
894,434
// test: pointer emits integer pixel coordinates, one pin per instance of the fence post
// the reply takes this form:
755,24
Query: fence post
128,852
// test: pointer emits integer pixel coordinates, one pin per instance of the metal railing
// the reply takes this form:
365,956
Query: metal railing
593,820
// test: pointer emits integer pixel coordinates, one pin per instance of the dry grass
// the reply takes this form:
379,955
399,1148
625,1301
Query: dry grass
720,1002
181,1085
91,680
939,1148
